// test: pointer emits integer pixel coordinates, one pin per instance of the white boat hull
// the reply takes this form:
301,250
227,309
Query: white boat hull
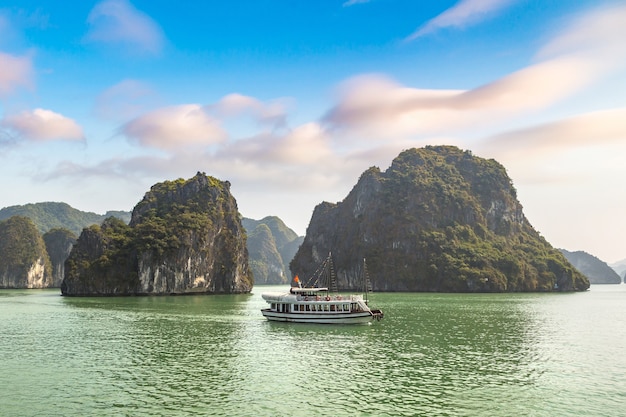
320,318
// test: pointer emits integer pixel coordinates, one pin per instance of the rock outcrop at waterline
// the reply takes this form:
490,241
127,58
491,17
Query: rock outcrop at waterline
185,236
24,261
438,219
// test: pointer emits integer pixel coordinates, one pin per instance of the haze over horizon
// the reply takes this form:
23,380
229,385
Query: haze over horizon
292,101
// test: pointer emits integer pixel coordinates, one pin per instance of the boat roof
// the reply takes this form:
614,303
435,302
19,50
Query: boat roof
298,290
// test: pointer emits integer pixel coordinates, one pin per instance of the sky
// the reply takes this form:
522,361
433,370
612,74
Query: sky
290,101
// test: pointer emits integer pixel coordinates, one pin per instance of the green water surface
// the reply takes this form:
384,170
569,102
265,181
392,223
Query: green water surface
432,355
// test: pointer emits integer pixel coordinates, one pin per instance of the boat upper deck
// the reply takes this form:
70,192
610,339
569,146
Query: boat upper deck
310,295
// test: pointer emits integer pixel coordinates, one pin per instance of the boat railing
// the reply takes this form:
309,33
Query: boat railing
330,298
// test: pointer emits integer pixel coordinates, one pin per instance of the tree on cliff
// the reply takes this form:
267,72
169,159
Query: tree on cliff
438,219
185,236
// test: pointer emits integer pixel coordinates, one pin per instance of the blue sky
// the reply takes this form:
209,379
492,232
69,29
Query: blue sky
291,101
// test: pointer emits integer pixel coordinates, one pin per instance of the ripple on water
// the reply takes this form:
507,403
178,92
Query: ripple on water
432,355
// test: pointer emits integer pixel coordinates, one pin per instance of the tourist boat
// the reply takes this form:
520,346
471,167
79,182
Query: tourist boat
310,304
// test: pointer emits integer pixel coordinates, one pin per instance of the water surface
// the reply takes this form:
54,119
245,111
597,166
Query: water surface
432,355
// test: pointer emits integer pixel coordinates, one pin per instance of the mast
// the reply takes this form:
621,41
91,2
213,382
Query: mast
332,279
367,285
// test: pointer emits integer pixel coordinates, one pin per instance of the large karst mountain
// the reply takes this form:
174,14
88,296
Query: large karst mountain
185,236
438,219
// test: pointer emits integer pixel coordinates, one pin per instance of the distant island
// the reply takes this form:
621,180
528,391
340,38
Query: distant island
271,246
597,271
55,215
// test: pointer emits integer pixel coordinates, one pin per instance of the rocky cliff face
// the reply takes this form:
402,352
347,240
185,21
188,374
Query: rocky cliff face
24,262
185,236
439,219
597,271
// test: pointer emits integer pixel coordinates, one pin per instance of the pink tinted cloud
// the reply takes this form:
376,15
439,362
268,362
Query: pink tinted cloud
43,125
119,22
193,125
15,72
305,145
174,127
233,105
580,55
589,129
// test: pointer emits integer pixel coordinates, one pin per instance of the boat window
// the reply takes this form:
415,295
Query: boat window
301,307
332,307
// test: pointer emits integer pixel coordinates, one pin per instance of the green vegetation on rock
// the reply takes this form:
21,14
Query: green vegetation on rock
439,219
185,236
271,246
102,261
24,261
51,215
265,262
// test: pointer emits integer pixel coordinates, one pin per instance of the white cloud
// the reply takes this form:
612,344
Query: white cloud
232,105
124,100
353,2
590,129
580,55
174,127
43,125
15,72
464,13
305,145
119,22
598,33
194,125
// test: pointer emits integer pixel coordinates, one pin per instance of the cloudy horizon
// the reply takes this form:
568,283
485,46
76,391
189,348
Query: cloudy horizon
291,103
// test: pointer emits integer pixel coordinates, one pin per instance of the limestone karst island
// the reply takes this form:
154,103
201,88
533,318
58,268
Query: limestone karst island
185,236
439,219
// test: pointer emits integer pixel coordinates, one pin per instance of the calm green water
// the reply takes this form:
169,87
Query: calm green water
432,355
